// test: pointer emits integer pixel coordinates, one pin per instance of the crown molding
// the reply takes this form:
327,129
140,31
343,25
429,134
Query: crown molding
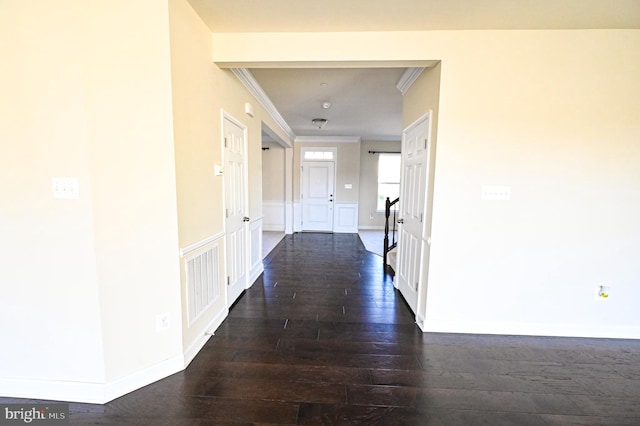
408,78
327,139
249,81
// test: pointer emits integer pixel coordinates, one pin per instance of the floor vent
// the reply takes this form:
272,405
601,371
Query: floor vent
203,281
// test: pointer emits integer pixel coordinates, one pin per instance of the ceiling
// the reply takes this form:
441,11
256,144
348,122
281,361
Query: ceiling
408,15
365,102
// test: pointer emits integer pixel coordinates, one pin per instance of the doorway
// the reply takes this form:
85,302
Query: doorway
318,189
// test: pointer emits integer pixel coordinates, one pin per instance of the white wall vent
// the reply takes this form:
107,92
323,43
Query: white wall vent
203,281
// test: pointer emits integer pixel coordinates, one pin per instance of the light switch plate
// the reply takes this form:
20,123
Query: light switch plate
496,193
65,188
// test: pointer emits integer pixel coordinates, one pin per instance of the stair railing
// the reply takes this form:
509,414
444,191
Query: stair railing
389,229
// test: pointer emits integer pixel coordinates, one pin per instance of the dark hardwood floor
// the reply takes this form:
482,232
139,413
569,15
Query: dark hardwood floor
323,338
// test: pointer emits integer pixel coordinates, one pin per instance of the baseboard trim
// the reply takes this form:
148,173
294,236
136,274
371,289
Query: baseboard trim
92,393
371,228
143,378
527,329
197,346
255,273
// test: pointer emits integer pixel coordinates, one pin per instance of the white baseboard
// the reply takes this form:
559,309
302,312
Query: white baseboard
371,228
92,393
527,329
256,268
197,346
256,271
143,378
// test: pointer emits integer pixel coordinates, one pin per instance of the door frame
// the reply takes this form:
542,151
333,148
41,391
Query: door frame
333,150
226,116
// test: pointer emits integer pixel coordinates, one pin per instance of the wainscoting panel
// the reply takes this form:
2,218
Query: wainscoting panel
255,245
274,215
202,269
345,217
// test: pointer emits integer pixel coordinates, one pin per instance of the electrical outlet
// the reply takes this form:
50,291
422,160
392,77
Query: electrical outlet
163,322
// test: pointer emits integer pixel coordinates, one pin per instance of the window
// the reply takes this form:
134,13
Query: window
388,178
318,155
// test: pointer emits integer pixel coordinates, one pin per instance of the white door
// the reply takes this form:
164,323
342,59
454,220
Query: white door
235,203
317,195
413,188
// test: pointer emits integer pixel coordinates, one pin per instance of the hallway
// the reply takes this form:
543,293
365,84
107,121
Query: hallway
323,338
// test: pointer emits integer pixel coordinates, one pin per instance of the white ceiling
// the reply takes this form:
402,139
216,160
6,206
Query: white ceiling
407,15
365,102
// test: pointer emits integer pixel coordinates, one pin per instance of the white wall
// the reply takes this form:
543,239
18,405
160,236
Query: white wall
273,187
201,91
48,275
527,109
90,98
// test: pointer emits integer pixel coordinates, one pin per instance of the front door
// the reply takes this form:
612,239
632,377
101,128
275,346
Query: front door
317,195
413,186
235,191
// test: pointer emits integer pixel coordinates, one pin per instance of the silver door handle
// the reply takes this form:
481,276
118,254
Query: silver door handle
245,219
401,221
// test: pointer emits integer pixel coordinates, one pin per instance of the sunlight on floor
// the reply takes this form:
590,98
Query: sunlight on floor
372,240
270,239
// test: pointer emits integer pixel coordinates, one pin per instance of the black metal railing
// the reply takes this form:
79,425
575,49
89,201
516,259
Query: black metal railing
388,212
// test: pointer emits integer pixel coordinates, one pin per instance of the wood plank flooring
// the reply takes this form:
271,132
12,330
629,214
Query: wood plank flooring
323,338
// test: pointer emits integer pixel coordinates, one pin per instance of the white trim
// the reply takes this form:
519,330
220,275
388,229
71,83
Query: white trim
531,329
327,139
143,378
424,117
197,346
185,251
371,228
297,216
289,217
256,219
252,85
92,393
408,78
256,266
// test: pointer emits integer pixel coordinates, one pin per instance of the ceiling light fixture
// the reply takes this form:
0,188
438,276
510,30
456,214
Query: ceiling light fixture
319,122
326,105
